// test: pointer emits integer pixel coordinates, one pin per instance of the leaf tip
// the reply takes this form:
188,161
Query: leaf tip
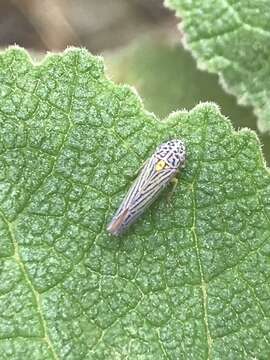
17,53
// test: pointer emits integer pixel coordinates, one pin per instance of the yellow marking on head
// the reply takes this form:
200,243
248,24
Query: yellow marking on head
160,165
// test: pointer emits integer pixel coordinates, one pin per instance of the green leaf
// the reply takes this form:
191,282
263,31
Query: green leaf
231,38
187,281
152,62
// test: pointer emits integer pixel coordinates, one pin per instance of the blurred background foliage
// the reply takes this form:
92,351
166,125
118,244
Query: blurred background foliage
140,43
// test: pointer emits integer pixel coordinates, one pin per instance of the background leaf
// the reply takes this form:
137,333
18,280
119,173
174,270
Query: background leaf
187,281
167,79
231,39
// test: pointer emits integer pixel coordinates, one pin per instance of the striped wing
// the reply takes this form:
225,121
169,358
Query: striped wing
142,193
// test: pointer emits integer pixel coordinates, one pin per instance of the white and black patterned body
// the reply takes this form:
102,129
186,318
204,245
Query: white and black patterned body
155,175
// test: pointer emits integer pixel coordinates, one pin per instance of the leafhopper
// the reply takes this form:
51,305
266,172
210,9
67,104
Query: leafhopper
156,173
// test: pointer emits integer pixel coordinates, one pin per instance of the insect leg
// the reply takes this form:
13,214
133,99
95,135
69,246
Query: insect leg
174,182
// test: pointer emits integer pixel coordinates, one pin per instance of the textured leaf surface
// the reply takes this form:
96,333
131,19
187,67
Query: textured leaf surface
151,63
188,281
231,38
